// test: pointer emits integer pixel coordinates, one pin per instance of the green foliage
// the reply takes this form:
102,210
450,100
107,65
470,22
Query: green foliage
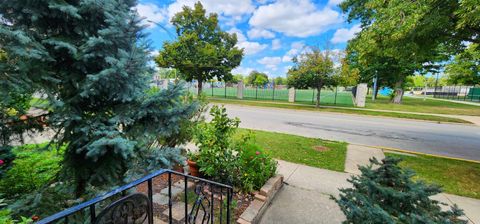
237,78
216,158
14,104
90,58
257,78
6,218
465,67
6,159
33,167
280,80
239,162
347,75
202,51
166,73
422,81
256,166
399,38
312,69
388,194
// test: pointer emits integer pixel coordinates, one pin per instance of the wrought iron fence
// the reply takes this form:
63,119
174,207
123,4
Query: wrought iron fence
196,201
463,93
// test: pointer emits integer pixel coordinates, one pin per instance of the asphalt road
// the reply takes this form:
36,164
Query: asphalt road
454,140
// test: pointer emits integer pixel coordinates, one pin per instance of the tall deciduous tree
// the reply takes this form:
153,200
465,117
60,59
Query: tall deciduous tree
406,36
202,51
347,75
90,58
280,80
465,67
257,78
312,69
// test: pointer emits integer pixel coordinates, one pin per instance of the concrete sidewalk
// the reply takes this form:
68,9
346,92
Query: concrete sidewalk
305,197
358,155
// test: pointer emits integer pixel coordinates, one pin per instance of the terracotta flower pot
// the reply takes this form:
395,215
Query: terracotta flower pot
178,168
194,170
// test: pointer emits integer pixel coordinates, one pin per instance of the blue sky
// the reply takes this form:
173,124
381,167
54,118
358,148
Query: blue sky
270,31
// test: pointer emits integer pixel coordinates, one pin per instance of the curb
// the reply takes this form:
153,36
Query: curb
255,210
259,104
417,153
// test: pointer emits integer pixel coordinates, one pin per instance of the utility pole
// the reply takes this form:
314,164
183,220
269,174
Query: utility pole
436,85
425,92
375,79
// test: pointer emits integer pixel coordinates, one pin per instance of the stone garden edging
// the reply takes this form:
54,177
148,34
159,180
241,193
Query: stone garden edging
255,210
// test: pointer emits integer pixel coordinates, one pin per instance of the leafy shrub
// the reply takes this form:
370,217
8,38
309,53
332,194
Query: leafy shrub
6,159
217,158
389,195
5,218
5,215
240,163
256,167
33,167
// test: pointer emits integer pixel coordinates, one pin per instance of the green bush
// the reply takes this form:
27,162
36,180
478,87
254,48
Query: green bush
217,158
240,163
33,167
5,218
256,166
388,194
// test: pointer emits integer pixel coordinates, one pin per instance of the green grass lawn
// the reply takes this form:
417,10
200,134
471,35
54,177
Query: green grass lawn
298,149
39,103
423,106
455,176
337,110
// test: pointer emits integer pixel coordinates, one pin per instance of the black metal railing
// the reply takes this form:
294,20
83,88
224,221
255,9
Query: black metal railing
127,204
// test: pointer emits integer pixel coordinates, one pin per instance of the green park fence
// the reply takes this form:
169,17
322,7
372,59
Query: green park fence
339,96
462,93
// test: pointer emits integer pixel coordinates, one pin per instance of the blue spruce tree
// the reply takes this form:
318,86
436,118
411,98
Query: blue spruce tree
388,194
90,57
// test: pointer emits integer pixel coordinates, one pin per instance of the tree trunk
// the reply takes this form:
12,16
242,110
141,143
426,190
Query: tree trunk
319,89
397,98
80,185
199,87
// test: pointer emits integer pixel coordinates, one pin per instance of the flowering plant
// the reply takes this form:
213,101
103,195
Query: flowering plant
255,164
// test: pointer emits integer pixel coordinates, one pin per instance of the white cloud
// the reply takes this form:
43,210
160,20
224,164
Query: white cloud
234,9
260,33
151,13
242,70
343,35
270,62
249,47
286,68
296,48
286,58
154,53
276,44
337,55
299,18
